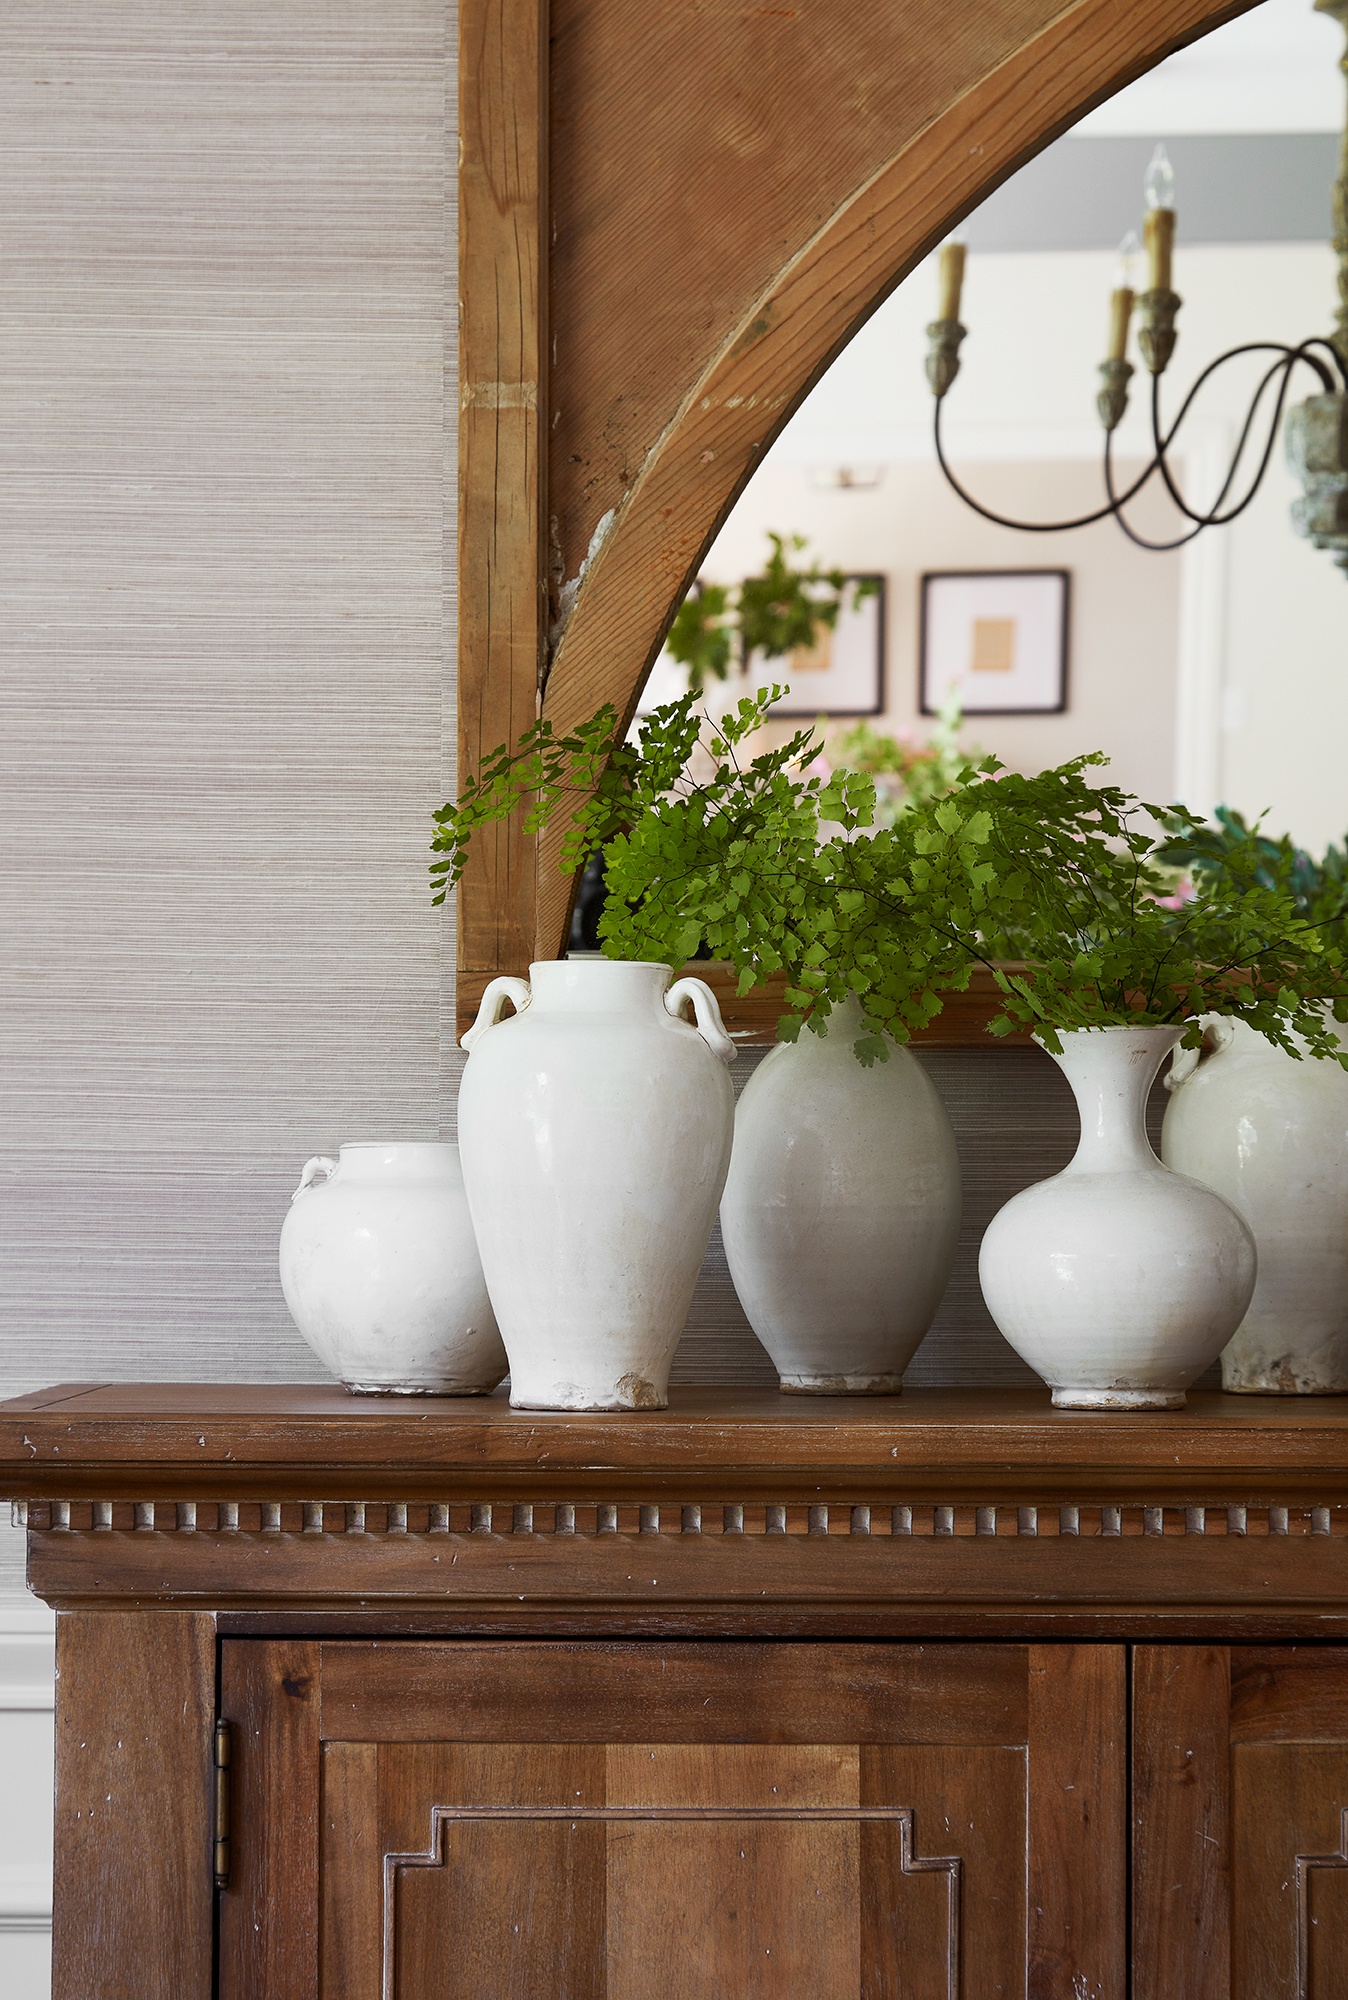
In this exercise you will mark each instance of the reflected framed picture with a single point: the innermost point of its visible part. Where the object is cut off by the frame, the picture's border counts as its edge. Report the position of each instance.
(998, 638)
(843, 673)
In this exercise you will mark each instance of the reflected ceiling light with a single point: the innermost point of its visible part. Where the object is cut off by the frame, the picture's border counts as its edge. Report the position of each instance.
(1317, 430)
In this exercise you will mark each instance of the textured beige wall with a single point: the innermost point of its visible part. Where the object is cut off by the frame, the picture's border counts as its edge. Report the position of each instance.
(226, 629)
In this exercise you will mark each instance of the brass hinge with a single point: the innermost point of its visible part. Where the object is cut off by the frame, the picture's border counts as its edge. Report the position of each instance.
(223, 1736)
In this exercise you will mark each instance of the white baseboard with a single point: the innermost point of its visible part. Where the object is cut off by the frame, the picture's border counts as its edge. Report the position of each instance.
(20, 1611)
(27, 1686)
(25, 1899)
(27, 1655)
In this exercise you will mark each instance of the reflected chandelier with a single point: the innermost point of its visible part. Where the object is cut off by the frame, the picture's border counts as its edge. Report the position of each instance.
(1316, 431)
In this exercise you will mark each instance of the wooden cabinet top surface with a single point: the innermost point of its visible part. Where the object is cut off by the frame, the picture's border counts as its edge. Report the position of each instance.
(955, 1511)
(58, 1438)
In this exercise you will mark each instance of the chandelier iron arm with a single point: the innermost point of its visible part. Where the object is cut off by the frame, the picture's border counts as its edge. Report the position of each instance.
(1162, 441)
(1215, 517)
(1139, 541)
(1004, 520)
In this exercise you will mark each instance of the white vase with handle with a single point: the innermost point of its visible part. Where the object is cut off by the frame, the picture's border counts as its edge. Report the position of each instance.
(595, 1126)
(382, 1276)
(841, 1210)
(1271, 1135)
(1118, 1280)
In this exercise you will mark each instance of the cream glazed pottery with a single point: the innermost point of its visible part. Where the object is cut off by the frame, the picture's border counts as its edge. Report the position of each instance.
(841, 1210)
(1271, 1135)
(595, 1127)
(382, 1276)
(1117, 1280)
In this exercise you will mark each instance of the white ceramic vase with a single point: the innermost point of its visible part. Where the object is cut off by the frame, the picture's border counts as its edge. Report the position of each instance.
(1117, 1280)
(382, 1276)
(595, 1126)
(841, 1210)
(1271, 1135)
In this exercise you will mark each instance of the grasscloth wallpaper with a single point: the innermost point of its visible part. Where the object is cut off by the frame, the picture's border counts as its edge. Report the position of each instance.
(226, 564)
(226, 569)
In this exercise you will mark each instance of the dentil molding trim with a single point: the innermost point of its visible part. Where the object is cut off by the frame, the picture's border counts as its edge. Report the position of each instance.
(677, 1520)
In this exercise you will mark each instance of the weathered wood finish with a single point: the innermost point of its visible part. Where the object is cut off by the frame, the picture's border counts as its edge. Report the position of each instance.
(1077, 1935)
(185, 1440)
(269, 1692)
(626, 1821)
(961, 1024)
(692, 200)
(1240, 1822)
(708, 258)
(783, 248)
(474, 1908)
(940, 1513)
(350, 1930)
(522, 1693)
(132, 1915)
(579, 1636)
(1181, 1823)
(503, 285)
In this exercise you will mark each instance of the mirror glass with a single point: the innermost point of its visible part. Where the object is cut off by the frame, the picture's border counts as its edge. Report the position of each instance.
(1213, 673)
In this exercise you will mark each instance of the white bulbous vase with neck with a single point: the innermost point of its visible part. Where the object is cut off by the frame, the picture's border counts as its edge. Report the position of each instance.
(1118, 1280)
(1271, 1135)
(595, 1127)
(841, 1210)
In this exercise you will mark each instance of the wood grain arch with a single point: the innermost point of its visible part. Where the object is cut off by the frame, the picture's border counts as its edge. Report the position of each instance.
(733, 189)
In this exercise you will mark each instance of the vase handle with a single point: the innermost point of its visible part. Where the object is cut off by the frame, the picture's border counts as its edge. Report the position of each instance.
(312, 1169)
(516, 991)
(1218, 1034)
(708, 1015)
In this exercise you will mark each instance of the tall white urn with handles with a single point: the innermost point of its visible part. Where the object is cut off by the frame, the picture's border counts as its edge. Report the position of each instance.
(595, 1126)
(841, 1210)
(382, 1276)
(1271, 1135)
(1117, 1280)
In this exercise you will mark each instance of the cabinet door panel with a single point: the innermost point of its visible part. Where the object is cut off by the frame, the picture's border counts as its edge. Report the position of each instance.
(693, 1821)
(974, 1806)
(1241, 1823)
(701, 1870)
(1290, 1871)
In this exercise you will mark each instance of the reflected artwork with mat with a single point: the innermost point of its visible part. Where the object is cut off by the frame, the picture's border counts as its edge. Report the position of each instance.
(843, 672)
(998, 638)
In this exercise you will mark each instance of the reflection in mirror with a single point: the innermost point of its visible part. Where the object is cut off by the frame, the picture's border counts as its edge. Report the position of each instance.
(1213, 673)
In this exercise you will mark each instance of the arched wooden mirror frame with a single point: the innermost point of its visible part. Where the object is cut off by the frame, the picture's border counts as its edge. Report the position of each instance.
(672, 219)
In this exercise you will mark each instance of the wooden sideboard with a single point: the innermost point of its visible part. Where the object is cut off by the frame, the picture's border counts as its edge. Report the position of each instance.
(759, 1697)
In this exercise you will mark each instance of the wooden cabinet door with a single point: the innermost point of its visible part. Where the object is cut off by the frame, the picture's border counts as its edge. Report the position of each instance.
(1240, 1811)
(685, 1821)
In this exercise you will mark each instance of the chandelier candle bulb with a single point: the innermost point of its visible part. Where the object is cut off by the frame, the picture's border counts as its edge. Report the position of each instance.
(951, 271)
(1158, 231)
(1158, 221)
(1125, 272)
(1158, 184)
(1120, 313)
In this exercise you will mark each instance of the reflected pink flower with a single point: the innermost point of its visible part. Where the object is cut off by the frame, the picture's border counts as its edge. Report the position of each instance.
(1183, 893)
